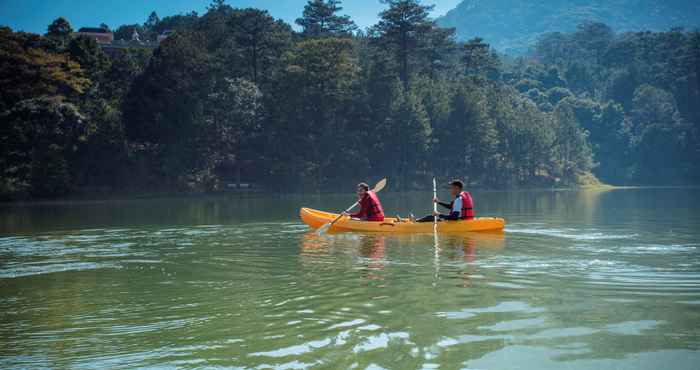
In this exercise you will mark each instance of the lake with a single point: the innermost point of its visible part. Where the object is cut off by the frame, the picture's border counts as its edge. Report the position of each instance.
(580, 280)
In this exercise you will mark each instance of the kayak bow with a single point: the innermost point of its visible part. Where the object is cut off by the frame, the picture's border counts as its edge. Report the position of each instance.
(316, 219)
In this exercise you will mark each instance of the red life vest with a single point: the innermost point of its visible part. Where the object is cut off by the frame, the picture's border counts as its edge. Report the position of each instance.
(370, 208)
(375, 212)
(468, 212)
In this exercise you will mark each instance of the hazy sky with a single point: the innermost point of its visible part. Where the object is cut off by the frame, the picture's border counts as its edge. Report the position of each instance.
(35, 15)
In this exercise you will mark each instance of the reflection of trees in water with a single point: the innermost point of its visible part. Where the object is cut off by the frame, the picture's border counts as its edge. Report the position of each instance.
(550, 204)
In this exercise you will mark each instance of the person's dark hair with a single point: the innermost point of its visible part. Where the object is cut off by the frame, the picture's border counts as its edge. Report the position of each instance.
(363, 186)
(457, 183)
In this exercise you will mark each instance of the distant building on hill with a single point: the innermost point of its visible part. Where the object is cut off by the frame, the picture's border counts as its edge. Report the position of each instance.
(105, 38)
(101, 35)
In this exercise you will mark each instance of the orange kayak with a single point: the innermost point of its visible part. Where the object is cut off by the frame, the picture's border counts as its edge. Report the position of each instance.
(316, 219)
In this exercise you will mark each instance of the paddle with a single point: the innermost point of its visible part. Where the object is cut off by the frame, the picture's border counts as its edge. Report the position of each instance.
(435, 236)
(377, 188)
(434, 204)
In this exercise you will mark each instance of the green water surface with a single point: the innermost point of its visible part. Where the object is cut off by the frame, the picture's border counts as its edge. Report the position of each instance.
(580, 280)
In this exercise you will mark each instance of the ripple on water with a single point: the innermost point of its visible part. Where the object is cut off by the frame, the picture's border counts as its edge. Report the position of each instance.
(295, 350)
(568, 233)
(381, 341)
(516, 324)
(10, 271)
(655, 249)
(502, 307)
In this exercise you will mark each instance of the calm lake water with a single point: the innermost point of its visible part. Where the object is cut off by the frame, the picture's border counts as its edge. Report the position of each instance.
(580, 280)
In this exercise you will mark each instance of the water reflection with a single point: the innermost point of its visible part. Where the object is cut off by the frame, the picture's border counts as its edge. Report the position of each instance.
(373, 251)
(374, 246)
(464, 246)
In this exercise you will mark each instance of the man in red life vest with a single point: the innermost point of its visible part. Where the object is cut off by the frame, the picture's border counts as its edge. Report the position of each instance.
(370, 207)
(461, 208)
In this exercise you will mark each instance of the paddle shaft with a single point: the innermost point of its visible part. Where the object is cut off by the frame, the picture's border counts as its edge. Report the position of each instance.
(341, 215)
(434, 195)
(435, 236)
(434, 204)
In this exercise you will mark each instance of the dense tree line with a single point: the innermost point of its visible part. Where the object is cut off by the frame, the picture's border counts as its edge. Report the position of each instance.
(635, 94)
(303, 109)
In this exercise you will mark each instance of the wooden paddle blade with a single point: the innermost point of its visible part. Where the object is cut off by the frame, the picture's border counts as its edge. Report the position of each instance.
(380, 185)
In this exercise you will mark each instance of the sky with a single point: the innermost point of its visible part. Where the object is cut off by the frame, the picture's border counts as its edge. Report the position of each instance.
(36, 15)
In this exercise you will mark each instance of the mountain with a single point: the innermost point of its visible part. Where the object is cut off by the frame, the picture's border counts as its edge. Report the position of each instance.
(512, 26)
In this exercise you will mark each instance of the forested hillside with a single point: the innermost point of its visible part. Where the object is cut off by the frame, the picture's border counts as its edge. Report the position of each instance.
(513, 26)
(235, 92)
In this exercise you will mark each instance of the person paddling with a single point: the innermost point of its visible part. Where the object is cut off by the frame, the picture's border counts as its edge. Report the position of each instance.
(370, 206)
(461, 208)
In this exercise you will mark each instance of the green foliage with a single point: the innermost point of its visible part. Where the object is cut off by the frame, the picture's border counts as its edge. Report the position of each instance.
(406, 131)
(152, 21)
(236, 95)
(314, 96)
(259, 40)
(633, 92)
(479, 61)
(39, 139)
(402, 29)
(525, 136)
(89, 55)
(604, 124)
(165, 103)
(29, 69)
(466, 144)
(571, 148)
(180, 22)
(59, 32)
(319, 19)
(229, 118)
(656, 123)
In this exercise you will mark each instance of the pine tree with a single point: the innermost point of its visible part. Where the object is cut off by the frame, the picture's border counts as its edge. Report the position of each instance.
(402, 29)
(260, 39)
(152, 21)
(59, 31)
(59, 28)
(320, 19)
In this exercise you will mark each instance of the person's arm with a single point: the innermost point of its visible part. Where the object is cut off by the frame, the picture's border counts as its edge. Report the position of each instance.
(445, 205)
(362, 212)
(456, 211)
(453, 216)
(457, 206)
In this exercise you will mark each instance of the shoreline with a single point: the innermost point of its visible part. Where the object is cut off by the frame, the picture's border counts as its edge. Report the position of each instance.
(126, 197)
